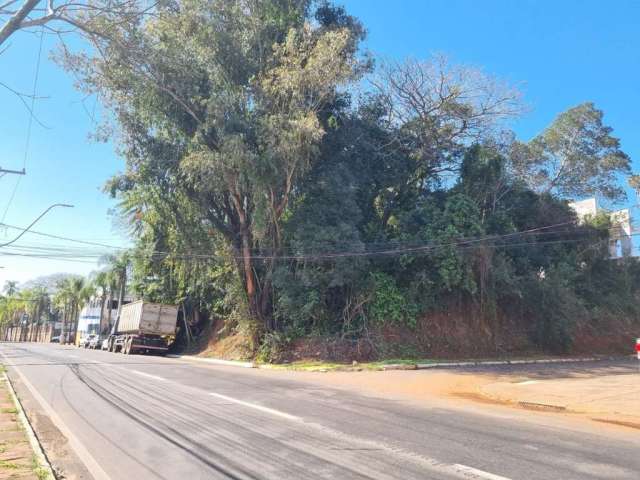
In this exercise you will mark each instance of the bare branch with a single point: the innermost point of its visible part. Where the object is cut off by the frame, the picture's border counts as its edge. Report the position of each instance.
(22, 97)
(78, 14)
(15, 22)
(435, 108)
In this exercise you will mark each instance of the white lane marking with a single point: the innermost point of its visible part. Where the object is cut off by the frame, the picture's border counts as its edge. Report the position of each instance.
(85, 457)
(463, 472)
(148, 375)
(255, 406)
(471, 472)
(458, 470)
(527, 382)
(72, 355)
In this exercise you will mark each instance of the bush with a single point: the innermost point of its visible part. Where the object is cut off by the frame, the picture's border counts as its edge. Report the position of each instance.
(389, 304)
(554, 309)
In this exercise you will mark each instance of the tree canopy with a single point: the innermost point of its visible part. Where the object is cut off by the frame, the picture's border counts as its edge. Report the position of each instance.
(263, 191)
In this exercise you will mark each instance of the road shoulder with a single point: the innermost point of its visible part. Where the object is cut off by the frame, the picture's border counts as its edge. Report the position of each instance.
(20, 453)
(63, 459)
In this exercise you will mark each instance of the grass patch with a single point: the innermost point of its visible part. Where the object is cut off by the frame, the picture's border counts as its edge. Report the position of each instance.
(307, 366)
(8, 465)
(9, 410)
(319, 366)
(400, 361)
(40, 472)
(2, 369)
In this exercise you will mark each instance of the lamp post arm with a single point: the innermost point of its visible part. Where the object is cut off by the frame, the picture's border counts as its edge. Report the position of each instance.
(34, 222)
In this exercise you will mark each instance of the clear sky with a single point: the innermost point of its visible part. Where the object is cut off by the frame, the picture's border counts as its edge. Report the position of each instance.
(560, 53)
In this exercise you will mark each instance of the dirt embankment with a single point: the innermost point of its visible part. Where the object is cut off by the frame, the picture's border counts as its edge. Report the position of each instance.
(452, 336)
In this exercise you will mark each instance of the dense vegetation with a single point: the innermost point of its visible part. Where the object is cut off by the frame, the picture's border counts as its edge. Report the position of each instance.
(269, 198)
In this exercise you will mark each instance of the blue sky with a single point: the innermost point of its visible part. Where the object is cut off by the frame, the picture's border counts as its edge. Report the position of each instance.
(560, 53)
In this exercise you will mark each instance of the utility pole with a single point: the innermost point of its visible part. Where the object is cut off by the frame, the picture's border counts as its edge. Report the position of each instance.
(15, 172)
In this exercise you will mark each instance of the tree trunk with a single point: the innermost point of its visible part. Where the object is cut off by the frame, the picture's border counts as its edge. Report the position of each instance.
(123, 283)
(249, 279)
(110, 308)
(103, 299)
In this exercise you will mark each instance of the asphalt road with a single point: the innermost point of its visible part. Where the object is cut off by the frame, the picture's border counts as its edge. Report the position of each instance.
(141, 417)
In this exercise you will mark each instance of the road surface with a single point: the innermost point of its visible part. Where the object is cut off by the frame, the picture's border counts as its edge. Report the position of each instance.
(141, 417)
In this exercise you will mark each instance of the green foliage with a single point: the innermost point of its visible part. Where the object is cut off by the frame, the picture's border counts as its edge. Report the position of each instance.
(273, 347)
(576, 156)
(259, 191)
(601, 221)
(221, 108)
(389, 305)
(553, 308)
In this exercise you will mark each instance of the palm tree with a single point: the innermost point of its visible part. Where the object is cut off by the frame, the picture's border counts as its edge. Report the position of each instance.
(61, 301)
(100, 282)
(79, 294)
(117, 267)
(70, 294)
(10, 288)
(39, 302)
(106, 282)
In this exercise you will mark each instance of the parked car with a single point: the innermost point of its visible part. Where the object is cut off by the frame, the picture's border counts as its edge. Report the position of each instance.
(55, 339)
(105, 344)
(87, 340)
(94, 342)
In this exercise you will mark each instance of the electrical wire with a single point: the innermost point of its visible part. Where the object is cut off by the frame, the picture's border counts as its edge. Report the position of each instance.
(424, 250)
(29, 127)
(58, 237)
(368, 250)
(388, 246)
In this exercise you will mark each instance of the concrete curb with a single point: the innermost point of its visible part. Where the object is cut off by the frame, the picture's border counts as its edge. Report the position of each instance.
(396, 366)
(214, 361)
(480, 363)
(43, 461)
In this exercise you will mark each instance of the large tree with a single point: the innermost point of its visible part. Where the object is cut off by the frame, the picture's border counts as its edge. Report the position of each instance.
(225, 102)
(433, 110)
(576, 156)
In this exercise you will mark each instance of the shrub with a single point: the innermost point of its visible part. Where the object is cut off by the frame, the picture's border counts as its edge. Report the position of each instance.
(389, 304)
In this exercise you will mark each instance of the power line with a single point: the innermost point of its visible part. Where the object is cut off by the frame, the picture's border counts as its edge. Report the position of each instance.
(424, 249)
(29, 126)
(13, 194)
(58, 237)
(388, 244)
(187, 258)
(68, 253)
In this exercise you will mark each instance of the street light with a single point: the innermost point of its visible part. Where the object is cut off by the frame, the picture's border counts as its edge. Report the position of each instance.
(36, 221)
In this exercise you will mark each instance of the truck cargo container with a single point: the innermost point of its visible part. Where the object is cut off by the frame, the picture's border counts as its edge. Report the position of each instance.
(144, 327)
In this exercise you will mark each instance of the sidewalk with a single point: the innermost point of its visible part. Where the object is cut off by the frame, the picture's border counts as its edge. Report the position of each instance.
(604, 391)
(17, 458)
(607, 398)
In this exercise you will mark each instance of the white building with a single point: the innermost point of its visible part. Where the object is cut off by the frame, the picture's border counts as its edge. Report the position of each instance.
(89, 318)
(620, 235)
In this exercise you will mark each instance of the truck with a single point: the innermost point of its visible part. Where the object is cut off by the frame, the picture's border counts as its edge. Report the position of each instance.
(143, 327)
